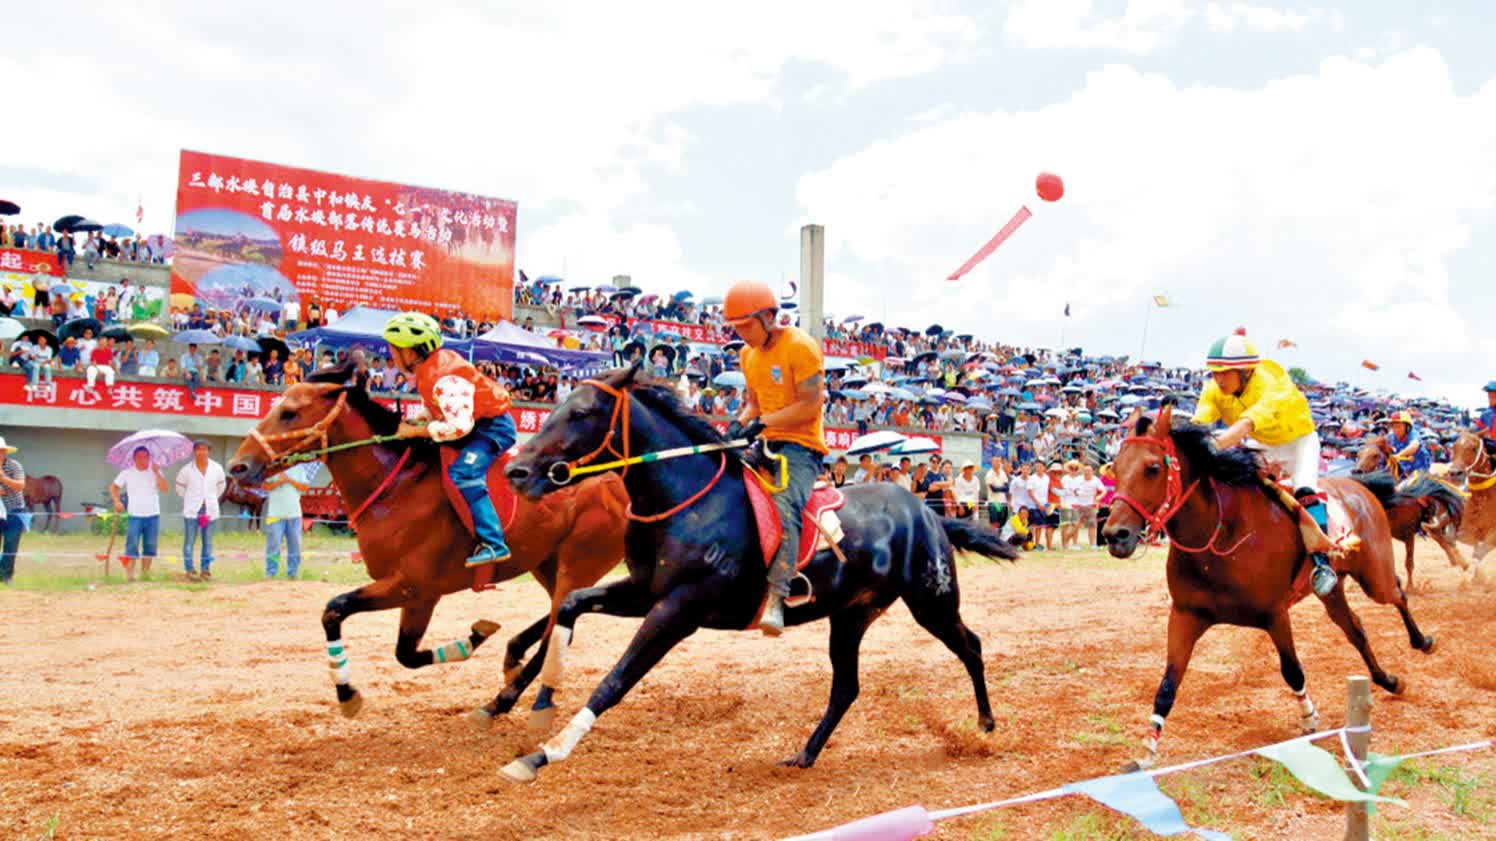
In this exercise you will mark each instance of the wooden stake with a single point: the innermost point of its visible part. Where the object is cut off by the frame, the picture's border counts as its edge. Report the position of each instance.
(1358, 714)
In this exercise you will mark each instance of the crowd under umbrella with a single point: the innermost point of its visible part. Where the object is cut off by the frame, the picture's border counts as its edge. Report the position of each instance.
(683, 295)
(606, 289)
(914, 446)
(74, 329)
(85, 226)
(196, 337)
(117, 230)
(117, 333)
(9, 208)
(37, 332)
(267, 305)
(579, 288)
(548, 280)
(594, 322)
(243, 343)
(269, 343)
(165, 447)
(730, 379)
(875, 442)
(148, 330)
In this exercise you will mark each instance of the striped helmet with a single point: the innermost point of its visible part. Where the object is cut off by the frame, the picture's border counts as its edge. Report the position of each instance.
(1403, 417)
(1232, 352)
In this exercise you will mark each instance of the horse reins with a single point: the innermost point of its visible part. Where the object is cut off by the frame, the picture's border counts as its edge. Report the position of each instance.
(1486, 480)
(563, 472)
(1175, 496)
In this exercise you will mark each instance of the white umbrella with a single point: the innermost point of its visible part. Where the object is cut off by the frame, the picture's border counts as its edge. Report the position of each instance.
(10, 328)
(877, 388)
(915, 446)
(594, 321)
(875, 442)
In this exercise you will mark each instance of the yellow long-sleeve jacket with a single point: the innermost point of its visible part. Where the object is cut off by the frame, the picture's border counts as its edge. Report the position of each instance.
(1277, 408)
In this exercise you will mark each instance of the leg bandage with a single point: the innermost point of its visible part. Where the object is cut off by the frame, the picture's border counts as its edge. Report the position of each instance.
(337, 661)
(454, 652)
(562, 745)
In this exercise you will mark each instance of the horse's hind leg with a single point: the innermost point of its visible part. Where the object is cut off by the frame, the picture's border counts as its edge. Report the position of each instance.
(1342, 615)
(943, 621)
(1384, 589)
(415, 618)
(376, 595)
(518, 673)
(847, 629)
(1281, 631)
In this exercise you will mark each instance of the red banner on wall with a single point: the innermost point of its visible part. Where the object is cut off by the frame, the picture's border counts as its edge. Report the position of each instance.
(29, 262)
(250, 235)
(242, 403)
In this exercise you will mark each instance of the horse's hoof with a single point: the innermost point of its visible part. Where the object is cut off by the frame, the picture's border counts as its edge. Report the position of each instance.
(1132, 766)
(799, 760)
(987, 724)
(1309, 724)
(1430, 644)
(481, 719)
(484, 629)
(350, 707)
(518, 771)
(541, 721)
(1399, 686)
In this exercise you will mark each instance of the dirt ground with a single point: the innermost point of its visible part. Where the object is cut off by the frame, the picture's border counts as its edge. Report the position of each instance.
(157, 712)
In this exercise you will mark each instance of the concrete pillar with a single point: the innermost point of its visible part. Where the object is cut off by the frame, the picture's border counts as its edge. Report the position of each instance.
(813, 280)
(622, 280)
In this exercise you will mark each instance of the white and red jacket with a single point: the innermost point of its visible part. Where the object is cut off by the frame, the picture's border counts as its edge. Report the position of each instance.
(454, 396)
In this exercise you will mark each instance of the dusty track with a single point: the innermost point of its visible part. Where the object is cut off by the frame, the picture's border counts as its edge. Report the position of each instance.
(167, 713)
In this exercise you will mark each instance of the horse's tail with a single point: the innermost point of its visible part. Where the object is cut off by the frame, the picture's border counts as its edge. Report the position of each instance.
(1382, 486)
(1431, 493)
(984, 541)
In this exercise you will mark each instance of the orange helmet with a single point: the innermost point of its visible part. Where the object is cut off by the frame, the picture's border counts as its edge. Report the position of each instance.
(746, 299)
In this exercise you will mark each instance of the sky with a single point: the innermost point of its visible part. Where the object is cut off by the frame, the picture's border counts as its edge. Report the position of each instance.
(1320, 172)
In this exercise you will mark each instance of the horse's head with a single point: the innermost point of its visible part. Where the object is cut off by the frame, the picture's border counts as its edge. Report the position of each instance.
(1148, 471)
(1466, 455)
(575, 433)
(1369, 458)
(298, 423)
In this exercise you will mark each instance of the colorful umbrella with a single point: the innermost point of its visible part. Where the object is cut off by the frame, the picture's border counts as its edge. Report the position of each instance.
(915, 446)
(10, 328)
(117, 230)
(875, 441)
(196, 337)
(243, 343)
(148, 330)
(166, 448)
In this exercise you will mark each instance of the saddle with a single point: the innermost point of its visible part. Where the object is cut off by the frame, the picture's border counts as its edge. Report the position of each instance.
(821, 528)
(505, 502)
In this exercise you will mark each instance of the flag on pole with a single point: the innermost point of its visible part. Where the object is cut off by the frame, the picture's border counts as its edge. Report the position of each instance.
(1285, 344)
(1413, 376)
(1067, 309)
(1160, 300)
(1370, 366)
(139, 212)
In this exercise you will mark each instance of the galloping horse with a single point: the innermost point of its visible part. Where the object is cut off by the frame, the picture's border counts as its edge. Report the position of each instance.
(1469, 462)
(412, 540)
(1237, 554)
(1421, 504)
(695, 559)
(1376, 454)
(45, 491)
(250, 499)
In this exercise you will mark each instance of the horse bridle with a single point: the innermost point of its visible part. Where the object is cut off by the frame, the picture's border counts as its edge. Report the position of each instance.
(1485, 478)
(303, 435)
(1175, 495)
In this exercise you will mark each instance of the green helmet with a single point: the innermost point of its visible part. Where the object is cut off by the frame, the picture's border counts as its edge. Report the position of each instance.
(413, 330)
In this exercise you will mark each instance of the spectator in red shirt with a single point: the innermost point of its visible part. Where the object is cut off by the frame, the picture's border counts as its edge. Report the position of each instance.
(101, 360)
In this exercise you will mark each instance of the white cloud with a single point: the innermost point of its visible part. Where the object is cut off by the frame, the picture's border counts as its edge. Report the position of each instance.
(1302, 209)
(1143, 26)
(1227, 17)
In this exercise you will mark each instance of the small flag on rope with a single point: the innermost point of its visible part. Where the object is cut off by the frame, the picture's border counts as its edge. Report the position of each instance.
(1370, 366)
(139, 211)
(1413, 376)
(1285, 344)
(1067, 309)
(356, 557)
(1160, 301)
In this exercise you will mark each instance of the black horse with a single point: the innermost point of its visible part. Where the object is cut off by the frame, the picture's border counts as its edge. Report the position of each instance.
(702, 567)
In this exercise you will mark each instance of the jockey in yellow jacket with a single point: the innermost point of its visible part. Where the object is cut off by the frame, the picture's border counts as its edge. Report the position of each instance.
(1261, 407)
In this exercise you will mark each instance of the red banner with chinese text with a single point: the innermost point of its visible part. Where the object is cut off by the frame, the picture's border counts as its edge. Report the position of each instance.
(29, 262)
(251, 235)
(246, 404)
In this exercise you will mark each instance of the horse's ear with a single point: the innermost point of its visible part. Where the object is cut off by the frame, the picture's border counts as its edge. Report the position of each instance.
(1131, 424)
(1165, 421)
(631, 373)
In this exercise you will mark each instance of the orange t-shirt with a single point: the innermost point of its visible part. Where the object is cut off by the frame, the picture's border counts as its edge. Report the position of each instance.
(773, 373)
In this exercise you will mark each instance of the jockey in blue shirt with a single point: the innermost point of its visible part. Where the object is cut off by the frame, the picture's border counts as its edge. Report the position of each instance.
(1407, 448)
(1486, 420)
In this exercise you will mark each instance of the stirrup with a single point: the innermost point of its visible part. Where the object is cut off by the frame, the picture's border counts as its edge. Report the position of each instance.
(488, 555)
(1324, 578)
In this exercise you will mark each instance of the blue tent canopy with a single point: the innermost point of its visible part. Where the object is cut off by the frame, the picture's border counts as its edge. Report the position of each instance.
(361, 327)
(508, 342)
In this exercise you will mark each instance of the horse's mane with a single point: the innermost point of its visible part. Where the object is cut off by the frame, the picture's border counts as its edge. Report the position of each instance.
(382, 420)
(662, 398)
(1382, 486)
(1237, 467)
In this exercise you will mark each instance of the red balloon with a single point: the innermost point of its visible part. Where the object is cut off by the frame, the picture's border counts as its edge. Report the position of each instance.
(1049, 186)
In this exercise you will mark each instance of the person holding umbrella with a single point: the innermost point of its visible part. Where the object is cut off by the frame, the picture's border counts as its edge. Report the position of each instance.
(143, 484)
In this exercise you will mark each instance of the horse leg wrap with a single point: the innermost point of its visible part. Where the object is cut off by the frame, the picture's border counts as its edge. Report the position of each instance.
(555, 657)
(1308, 714)
(337, 661)
(454, 652)
(1154, 735)
(562, 745)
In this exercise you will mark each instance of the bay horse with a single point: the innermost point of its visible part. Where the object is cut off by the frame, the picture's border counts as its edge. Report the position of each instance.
(45, 491)
(1471, 463)
(1237, 553)
(1374, 454)
(249, 498)
(1420, 505)
(695, 559)
(414, 543)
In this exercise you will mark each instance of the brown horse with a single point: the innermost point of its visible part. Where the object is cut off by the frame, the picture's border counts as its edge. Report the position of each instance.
(1471, 463)
(249, 498)
(45, 491)
(1376, 454)
(1420, 505)
(1237, 553)
(413, 541)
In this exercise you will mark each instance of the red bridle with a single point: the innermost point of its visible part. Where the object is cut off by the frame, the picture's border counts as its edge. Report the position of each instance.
(1175, 495)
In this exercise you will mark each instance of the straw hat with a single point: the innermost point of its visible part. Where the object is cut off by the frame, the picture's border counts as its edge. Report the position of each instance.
(6, 448)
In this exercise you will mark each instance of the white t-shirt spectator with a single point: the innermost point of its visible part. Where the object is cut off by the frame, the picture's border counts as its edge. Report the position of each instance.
(1087, 491)
(330, 315)
(1019, 493)
(997, 486)
(143, 495)
(201, 489)
(967, 491)
(291, 311)
(1068, 486)
(1038, 488)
